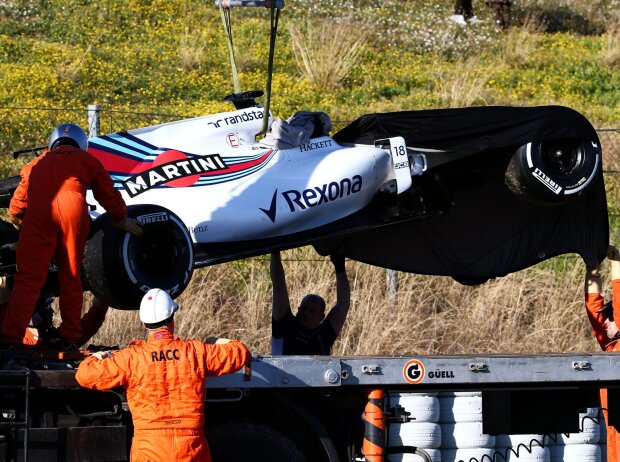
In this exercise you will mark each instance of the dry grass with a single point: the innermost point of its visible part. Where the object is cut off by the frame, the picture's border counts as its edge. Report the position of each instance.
(520, 43)
(463, 83)
(534, 311)
(326, 52)
(610, 53)
(193, 42)
(580, 16)
(70, 68)
(192, 47)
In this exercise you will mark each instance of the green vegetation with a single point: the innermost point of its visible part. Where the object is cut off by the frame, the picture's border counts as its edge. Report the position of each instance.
(151, 61)
(169, 57)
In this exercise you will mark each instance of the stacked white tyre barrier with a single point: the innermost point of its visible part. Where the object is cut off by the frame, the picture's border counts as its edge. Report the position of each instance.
(434, 454)
(533, 453)
(455, 455)
(449, 427)
(582, 446)
(462, 437)
(460, 407)
(590, 430)
(423, 432)
(575, 453)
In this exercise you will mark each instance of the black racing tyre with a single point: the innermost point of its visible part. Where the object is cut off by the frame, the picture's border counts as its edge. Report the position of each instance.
(247, 441)
(119, 268)
(553, 171)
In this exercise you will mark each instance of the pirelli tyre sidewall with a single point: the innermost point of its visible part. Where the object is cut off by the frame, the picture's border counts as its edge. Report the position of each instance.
(553, 171)
(120, 268)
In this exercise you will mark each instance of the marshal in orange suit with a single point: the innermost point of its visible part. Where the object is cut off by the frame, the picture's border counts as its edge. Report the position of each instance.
(50, 207)
(165, 382)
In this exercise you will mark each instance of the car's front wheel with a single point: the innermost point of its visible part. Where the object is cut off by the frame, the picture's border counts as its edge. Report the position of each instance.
(553, 171)
(120, 268)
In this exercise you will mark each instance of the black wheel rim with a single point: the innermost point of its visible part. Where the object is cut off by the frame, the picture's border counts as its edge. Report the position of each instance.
(156, 254)
(562, 158)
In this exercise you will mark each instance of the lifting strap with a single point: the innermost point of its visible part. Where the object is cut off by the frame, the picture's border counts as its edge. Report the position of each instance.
(225, 15)
(275, 17)
(274, 6)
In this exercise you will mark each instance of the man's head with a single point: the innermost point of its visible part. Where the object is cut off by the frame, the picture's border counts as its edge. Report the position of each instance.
(311, 311)
(68, 135)
(157, 309)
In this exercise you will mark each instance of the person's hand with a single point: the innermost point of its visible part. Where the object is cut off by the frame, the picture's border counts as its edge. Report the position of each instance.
(17, 221)
(102, 354)
(338, 262)
(593, 280)
(611, 329)
(217, 341)
(613, 253)
(131, 225)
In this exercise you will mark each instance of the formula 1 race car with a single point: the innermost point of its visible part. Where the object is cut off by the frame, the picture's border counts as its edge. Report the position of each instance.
(472, 193)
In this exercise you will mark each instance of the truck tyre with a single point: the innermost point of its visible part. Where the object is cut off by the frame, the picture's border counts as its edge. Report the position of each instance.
(553, 171)
(120, 268)
(259, 443)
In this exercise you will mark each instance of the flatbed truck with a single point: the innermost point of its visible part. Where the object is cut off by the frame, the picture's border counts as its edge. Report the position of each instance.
(302, 408)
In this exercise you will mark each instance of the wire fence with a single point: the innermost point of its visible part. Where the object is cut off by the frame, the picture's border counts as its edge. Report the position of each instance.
(117, 120)
(110, 120)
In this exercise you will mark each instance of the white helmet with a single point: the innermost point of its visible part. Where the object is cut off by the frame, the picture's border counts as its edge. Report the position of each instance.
(156, 306)
(68, 134)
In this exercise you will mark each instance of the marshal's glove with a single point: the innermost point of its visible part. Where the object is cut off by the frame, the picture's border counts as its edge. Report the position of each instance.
(131, 225)
(17, 221)
(102, 354)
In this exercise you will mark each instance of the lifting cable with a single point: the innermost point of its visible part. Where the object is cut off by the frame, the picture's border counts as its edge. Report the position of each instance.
(275, 17)
(225, 15)
(274, 6)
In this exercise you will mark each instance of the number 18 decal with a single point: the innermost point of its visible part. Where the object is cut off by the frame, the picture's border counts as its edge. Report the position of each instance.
(400, 150)
(413, 371)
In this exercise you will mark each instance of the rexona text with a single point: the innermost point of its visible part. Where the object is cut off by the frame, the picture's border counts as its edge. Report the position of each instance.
(318, 195)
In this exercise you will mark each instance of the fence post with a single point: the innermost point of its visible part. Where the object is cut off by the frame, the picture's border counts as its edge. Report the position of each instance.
(94, 122)
(392, 284)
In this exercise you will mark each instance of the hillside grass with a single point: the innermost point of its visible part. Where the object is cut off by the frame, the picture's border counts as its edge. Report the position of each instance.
(148, 62)
(537, 310)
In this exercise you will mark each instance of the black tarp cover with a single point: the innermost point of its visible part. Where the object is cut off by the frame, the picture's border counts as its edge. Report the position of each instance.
(472, 128)
(488, 231)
